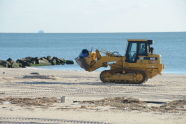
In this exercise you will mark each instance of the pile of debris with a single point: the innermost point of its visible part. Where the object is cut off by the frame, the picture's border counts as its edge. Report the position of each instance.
(34, 61)
(130, 104)
(40, 101)
(173, 106)
(120, 103)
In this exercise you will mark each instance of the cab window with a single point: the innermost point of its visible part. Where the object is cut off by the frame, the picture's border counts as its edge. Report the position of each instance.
(131, 52)
(142, 49)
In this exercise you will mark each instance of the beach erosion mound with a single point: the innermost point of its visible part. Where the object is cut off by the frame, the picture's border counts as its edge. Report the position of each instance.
(34, 61)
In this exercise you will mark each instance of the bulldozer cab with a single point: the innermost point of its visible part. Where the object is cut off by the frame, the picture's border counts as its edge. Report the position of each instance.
(137, 48)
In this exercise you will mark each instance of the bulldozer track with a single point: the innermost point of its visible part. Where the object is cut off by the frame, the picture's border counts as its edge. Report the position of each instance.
(21, 120)
(102, 78)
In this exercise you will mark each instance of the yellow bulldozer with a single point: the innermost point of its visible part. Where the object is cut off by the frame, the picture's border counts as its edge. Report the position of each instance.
(136, 67)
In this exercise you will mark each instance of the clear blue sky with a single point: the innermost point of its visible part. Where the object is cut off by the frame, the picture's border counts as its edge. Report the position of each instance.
(92, 15)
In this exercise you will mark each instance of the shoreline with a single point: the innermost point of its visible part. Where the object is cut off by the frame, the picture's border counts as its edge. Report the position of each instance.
(81, 70)
(98, 70)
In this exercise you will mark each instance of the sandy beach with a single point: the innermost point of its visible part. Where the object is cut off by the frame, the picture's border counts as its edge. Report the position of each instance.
(34, 95)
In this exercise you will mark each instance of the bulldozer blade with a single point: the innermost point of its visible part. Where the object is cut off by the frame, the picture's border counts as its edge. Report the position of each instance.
(82, 63)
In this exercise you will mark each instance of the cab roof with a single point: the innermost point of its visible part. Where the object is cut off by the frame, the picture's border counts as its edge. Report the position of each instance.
(140, 40)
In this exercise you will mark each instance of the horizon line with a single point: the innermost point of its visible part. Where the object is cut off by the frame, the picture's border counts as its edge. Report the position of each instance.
(86, 32)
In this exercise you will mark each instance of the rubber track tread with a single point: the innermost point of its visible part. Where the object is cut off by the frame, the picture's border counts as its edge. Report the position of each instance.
(145, 78)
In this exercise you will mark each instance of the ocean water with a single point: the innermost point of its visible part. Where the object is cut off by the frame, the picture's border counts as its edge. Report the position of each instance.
(171, 46)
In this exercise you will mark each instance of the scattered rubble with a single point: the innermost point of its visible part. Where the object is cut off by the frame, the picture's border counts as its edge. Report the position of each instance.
(130, 104)
(121, 103)
(174, 106)
(40, 101)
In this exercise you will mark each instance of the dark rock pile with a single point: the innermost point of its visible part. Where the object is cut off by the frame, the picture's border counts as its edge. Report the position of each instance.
(34, 61)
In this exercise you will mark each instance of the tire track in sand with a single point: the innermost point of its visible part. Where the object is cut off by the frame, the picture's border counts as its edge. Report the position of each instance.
(22, 120)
